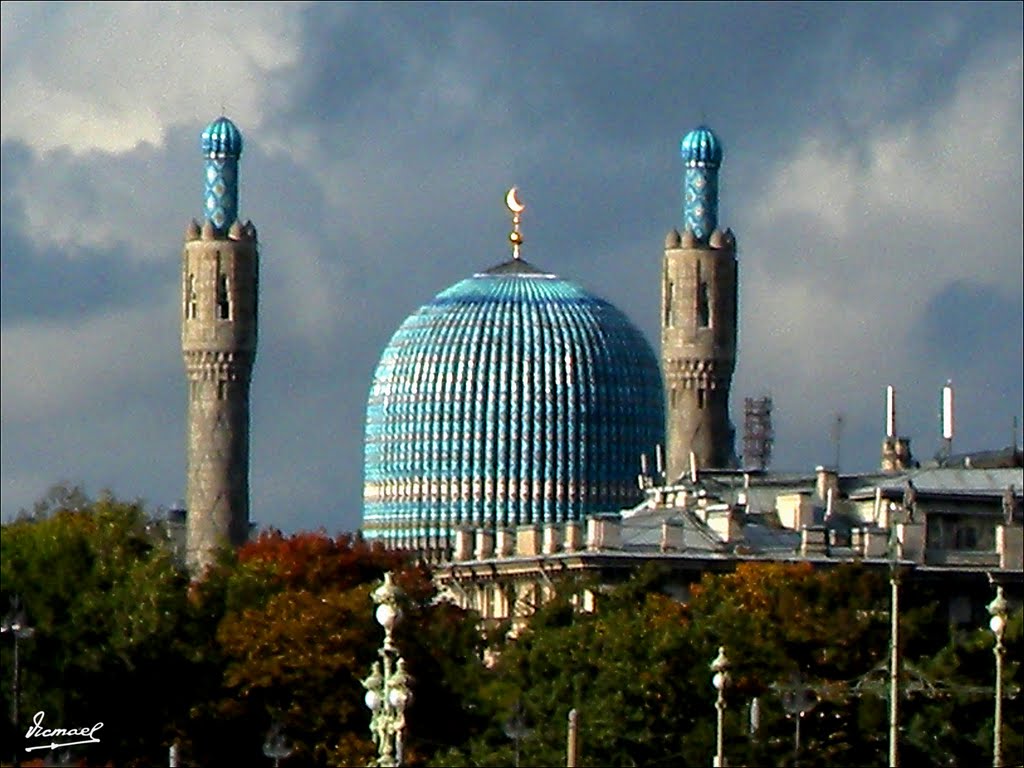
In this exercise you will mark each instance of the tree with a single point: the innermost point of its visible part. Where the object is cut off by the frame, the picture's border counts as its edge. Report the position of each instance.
(297, 636)
(624, 668)
(108, 606)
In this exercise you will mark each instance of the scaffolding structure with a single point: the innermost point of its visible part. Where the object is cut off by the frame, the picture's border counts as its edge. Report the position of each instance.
(758, 436)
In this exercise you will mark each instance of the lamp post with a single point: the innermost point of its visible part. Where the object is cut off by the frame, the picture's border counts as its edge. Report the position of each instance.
(798, 700)
(276, 747)
(895, 661)
(720, 666)
(997, 609)
(515, 729)
(15, 624)
(387, 688)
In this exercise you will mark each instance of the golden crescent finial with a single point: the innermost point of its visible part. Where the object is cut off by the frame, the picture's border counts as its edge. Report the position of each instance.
(515, 236)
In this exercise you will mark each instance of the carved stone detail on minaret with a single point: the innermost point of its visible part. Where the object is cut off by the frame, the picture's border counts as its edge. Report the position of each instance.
(220, 270)
(699, 318)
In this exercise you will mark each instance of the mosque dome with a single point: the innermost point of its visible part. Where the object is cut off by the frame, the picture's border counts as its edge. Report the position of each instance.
(513, 397)
(221, 138)
(700, 147)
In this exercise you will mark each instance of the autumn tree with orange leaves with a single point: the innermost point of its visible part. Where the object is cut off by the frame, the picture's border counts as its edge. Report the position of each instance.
(298, 635)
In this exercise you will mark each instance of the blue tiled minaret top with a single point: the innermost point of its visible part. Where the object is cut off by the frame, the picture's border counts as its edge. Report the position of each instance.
(513, 397)
(222, 146)
(702, 156)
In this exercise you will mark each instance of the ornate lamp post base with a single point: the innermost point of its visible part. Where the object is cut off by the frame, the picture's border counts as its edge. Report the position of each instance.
(387, 687)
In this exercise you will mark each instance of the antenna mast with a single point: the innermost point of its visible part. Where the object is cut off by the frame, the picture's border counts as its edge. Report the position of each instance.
(837, 436)
(947, 420)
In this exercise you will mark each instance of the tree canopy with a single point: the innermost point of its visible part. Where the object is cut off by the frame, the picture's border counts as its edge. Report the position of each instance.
(281, 633)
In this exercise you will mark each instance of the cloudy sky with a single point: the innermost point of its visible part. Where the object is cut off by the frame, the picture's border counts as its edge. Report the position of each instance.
(872, 174)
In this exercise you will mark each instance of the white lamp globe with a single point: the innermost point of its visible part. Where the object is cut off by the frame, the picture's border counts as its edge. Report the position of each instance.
(387, 615)
(373, 701)
(398, 698)
(997, 624)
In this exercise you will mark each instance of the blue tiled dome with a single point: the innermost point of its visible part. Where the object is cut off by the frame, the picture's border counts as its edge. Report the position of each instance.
(512, 397)
(221, 138)
(700, 147)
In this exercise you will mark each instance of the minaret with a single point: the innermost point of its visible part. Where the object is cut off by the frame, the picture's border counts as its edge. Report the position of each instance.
(219, 275)
(698, 318)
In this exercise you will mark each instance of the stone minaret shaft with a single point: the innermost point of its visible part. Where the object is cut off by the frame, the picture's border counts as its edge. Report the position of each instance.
(220, 271)
(699, 320)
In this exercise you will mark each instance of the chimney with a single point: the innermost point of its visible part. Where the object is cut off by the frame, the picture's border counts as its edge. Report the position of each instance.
(896, 456)
(604, 532)
(814, 540)
(826, 479)
(673, 535)
(725, 522)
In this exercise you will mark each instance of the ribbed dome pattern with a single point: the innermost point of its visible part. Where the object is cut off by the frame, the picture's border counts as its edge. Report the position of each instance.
(513, 397)
(700, 147)
(221, 138)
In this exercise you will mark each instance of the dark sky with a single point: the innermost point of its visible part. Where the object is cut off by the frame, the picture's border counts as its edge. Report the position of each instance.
(872, 175)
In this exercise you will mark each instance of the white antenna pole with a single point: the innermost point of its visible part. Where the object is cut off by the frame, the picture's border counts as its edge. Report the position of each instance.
(890, 412)
(693, 467)
(947, 411)
(659, 463)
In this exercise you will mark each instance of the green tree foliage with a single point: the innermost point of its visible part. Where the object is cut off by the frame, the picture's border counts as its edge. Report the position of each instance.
(637, 670)
(283, 631)
(109, 608)
(625, 668)
(952, 722)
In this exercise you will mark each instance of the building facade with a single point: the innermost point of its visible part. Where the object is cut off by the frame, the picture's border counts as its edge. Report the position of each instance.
(961, 528)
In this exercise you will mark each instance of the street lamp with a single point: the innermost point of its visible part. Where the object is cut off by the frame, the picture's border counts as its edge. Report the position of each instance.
(15, 624)
(515, 729)
(388, 692)
(997, 609)
(276, 747)
(798, 700)
(720, 666)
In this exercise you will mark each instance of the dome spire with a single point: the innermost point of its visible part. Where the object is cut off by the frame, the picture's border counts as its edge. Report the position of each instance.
(221, 144)
(515, 236)
(702, 156)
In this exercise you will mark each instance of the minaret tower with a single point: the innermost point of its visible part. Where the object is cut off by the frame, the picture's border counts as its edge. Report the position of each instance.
(219, 276)
(698, 318)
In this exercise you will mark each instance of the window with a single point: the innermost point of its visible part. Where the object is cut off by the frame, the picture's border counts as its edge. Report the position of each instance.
(670, 301)
(700, 399)
(190, 298)
(703, 306)
(961, 532)
(223, 297)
